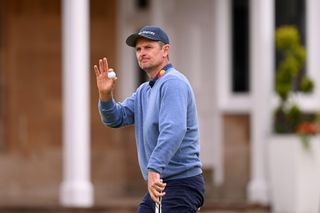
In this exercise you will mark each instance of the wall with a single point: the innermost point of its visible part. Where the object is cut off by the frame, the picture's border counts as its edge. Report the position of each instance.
(31, 103)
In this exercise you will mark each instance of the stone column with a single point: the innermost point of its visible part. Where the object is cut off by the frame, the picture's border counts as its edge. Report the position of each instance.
(221, 29)
(76, 188)
(261, 69)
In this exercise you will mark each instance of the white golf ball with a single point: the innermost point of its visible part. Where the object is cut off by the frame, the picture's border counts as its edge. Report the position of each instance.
(112, 75)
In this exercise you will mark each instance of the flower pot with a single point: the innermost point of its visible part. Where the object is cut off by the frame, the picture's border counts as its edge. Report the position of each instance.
(294, 174)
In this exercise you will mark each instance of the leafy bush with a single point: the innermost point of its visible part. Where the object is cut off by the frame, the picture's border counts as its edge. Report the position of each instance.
(290, 79)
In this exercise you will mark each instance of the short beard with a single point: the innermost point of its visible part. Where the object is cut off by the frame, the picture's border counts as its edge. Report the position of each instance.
(151, 68)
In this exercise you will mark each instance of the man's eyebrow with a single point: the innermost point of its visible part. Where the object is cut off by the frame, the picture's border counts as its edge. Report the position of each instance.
(144, 45)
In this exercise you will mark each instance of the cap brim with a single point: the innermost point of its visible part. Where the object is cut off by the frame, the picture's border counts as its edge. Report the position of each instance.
(132, 39)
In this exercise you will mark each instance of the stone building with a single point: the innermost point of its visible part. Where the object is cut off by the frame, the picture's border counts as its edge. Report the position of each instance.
(225, 48)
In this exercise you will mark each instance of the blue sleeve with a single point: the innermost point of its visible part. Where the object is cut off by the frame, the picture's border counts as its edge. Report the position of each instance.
(117, 114)
(172, 123)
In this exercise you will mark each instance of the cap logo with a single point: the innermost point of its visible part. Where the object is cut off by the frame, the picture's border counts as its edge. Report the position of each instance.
(146, 32)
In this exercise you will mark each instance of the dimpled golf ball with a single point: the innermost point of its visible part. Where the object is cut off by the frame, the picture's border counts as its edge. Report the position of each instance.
(111, 74)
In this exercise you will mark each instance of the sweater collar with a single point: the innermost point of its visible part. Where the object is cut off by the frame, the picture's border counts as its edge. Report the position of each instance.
(160, 74)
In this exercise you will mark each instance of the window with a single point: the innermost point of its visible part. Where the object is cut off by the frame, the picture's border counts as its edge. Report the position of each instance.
(240, 46)
(292, 12)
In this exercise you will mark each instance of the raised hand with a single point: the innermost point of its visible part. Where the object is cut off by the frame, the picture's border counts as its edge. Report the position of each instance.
(104, 84)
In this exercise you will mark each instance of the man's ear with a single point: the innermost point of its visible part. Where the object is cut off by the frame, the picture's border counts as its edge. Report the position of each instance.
(166, 49)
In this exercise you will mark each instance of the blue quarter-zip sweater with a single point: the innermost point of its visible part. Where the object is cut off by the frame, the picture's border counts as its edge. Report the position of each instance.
(166, 126)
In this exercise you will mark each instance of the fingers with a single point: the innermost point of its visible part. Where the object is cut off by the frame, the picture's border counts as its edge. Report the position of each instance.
(159, 188)
(155, 186)
(105, 64)
(103, 67)
(156, 195)
(96, 70)
(156, 191)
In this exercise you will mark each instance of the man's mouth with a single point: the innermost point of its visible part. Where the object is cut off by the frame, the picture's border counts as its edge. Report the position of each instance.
(144, 60)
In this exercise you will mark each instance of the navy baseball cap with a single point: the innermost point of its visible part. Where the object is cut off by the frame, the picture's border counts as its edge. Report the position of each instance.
(154, 33)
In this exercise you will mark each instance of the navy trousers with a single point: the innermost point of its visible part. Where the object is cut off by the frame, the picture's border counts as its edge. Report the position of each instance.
(182, 196)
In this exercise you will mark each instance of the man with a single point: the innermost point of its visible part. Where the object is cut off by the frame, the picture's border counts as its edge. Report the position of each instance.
(163, 111)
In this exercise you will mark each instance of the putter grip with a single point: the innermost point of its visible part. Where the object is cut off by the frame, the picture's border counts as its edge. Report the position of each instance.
(158, 208)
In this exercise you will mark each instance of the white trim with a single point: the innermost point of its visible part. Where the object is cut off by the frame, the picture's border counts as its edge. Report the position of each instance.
(223, 48)
(236, 104)
(229, 101)
(313, 48)
(306, 102)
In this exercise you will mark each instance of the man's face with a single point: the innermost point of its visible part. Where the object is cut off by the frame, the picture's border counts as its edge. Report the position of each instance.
(150, 54)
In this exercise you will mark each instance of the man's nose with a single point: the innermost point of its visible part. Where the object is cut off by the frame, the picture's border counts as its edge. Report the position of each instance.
(142, 52)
